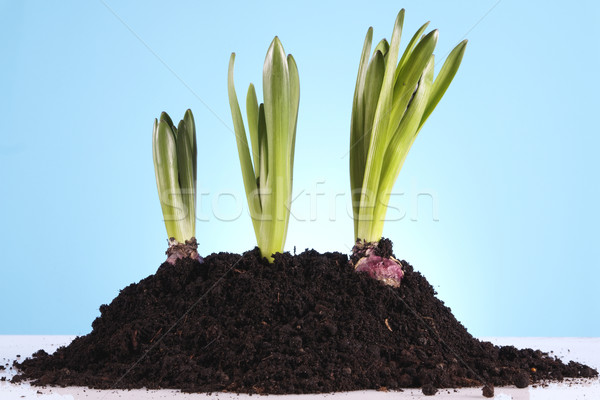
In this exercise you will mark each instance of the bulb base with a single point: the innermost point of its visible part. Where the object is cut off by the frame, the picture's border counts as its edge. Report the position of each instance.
(177, 250)
(376, 259)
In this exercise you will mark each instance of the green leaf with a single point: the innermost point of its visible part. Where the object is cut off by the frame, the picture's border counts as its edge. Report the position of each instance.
(263, 151)
(186, 167)
(276, 92)
(252, 113)
(167, 180)
(384, 47)
(399, 147)
(410, 46)
(409, 76)
(294, 104)
(380, 136)
(294, 83)
(188, 118)
(357, 144)
(373, 83)
(444, 78)
(165, 117)
(243, 150)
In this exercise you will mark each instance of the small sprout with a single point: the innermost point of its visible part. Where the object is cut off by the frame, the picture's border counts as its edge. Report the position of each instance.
(174, 153)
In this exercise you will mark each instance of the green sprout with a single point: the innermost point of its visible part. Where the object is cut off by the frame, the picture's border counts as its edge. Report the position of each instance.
(267, 174)
(392, 101)
(174, 152)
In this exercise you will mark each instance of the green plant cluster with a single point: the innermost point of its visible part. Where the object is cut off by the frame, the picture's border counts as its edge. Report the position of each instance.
(392, 100)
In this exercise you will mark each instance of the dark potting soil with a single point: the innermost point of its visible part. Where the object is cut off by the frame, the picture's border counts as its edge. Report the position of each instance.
(307, 323)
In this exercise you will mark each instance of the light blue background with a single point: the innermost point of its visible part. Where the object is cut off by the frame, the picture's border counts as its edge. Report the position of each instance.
(509, 159)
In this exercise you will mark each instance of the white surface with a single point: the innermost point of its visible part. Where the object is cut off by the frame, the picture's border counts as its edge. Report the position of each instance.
(586, 350)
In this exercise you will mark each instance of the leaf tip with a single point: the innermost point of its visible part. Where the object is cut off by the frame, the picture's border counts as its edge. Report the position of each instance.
(400, 18)
(164, 117)
(189, 116)
(433, 36)
(276, 42)
(231, 63)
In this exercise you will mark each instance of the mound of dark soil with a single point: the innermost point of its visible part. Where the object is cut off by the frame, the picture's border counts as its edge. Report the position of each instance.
(307, 323)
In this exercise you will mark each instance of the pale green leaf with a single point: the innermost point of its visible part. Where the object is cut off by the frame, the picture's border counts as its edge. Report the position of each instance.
(399, 147)
(243, 151)
(379, 136)
(188, 118)
(357, 145)
(167, 179)
(186, 167)
(294, 105)
(444, 78)
(252, 113)
(384, 47)
(263, 151)
(410, 46)
(409, 76)
(276, 92)
(373, 83)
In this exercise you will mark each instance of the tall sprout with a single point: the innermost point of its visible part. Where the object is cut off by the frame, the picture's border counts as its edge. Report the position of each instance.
(392, 101)
(267, 162)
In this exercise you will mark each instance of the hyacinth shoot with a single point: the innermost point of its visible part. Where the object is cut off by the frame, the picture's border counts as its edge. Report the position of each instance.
(267, 159)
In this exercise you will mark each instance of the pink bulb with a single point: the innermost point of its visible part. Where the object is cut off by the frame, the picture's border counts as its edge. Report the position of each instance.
(382, 269)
